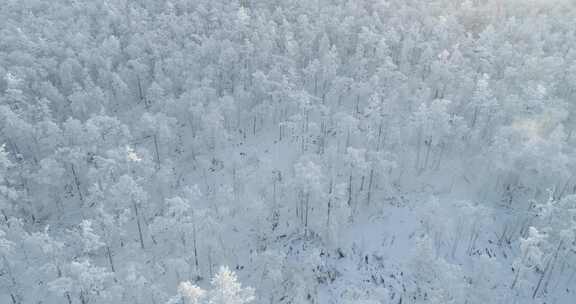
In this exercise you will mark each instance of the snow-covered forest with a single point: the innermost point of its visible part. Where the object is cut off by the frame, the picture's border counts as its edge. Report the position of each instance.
(287, 151)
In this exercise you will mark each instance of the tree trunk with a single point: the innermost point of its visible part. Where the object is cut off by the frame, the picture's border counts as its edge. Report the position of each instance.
(157, 150)
(139, 225)
(370, 181)
(329, 206)
(109, 254)
(350, 190)
(549, 266)
(196, 264)
(77, 184)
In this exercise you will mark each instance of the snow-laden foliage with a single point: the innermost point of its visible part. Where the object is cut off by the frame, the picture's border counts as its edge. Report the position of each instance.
(327, 151)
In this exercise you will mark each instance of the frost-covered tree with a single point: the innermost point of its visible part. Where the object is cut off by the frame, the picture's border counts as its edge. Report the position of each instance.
(299, 142)
(225, 289)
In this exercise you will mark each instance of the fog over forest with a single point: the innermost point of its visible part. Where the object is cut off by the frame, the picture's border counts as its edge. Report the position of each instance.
(287, 151)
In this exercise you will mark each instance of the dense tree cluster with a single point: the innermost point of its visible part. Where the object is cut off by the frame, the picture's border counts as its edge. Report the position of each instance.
(147, 142)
